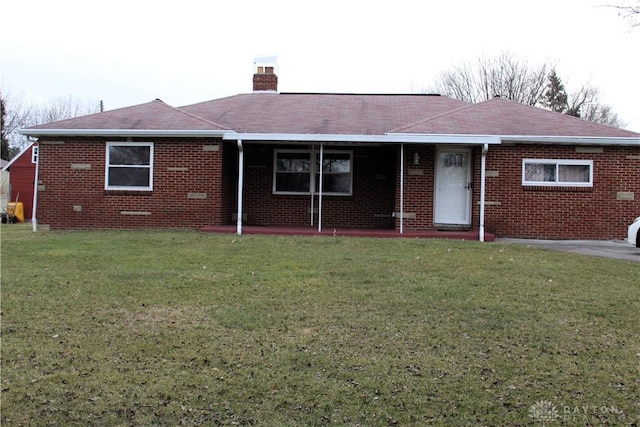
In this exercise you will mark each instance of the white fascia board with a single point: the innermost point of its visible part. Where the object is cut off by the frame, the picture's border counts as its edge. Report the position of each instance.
(370, 139)
(17, 156)
(445, 138)
(124, 132)
(571, 140)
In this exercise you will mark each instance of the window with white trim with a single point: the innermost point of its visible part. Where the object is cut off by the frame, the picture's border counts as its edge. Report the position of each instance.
(34, 154)
(295, 173)
(546, 172)
(129, 166)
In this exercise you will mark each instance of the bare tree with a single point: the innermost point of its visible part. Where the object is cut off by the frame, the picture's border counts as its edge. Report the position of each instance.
(510, 77)
(505, 75)
(20, 113)
(585, 103)
(629, 11)
(61, 108)
(16, 114)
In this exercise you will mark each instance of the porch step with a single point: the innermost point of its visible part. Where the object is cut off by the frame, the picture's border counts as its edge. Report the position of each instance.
(347, 232)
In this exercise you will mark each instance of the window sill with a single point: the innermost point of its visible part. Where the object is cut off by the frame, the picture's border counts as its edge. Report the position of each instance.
(558, 188)
(314, 194)
(128, 193)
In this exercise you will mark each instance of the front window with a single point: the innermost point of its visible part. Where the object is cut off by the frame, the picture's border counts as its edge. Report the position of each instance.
(129, 166)
(295, 173)
(557, 172)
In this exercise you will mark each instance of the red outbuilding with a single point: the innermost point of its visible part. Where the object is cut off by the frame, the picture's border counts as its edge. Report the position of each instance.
(22, 172)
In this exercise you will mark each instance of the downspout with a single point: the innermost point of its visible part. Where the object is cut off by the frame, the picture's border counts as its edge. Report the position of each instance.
(483, 175)
(34, 220)
(401, 188)
(240, 187)
(320, 189)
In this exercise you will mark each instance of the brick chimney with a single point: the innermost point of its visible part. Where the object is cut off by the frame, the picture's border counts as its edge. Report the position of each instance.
(265, 78)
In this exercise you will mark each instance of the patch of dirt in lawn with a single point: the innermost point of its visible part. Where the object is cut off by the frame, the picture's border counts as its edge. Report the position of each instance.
(153, 317)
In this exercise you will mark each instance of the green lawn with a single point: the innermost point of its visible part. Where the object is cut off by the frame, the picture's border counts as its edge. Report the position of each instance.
(184, 328)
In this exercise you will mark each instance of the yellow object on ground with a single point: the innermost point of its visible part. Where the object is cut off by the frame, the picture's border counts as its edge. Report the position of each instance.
(15, 210)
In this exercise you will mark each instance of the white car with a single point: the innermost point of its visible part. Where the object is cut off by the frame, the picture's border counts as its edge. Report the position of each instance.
(633, 236)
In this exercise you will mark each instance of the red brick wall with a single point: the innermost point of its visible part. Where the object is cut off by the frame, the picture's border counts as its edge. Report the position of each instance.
(73, 196)
(419, 182)
(562, 213)
(370, 205)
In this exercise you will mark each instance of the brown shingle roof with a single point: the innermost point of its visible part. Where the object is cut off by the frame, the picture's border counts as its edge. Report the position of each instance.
(342, 114)
(154, 115)
(339, 114)
(499, 116)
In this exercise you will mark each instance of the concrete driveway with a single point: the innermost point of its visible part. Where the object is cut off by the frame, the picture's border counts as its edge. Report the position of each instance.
(604, 248)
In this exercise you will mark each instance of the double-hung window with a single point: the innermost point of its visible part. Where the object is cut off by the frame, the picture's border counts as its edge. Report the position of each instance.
(569, 173)
(129, 166)
(296, 173)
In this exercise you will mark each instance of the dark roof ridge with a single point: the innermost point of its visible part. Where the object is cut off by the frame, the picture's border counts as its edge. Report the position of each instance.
(359, 94)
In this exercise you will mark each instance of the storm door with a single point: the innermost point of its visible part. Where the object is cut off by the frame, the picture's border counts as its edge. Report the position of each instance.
(452, 204)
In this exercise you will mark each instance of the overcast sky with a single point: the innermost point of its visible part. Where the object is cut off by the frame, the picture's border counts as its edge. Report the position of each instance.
(183, 52)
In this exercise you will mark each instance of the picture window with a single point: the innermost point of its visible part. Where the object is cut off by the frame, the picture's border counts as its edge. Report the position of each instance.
(545, 172)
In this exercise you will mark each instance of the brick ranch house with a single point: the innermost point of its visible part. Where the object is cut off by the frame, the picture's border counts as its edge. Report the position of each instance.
(394, 162)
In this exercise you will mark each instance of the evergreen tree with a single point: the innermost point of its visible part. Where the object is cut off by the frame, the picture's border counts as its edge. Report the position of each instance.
(4, 142)
(555, 97)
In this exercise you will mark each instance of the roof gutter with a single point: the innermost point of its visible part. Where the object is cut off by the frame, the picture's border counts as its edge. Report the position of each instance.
(388, 138)
(571, 140)
(370, 139)
(193, 133)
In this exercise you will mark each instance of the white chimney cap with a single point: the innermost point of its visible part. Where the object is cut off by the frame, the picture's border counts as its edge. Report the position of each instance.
(266, 59)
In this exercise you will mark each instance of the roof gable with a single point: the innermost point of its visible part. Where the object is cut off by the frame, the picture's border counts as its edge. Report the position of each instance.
(8, 164)
(499, 116)
(154, 115)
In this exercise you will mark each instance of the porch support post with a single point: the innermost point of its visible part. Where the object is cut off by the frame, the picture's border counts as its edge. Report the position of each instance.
(320, 188)
(483, 176)
(240, 187)
(311, 184)
(402, 188)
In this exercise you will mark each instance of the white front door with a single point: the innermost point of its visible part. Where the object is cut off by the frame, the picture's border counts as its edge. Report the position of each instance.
(452, 203)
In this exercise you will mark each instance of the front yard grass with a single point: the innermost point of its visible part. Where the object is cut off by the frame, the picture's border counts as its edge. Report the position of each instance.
(184, 328)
